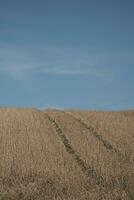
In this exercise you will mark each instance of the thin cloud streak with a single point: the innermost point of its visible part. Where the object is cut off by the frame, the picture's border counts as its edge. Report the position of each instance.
(25, 61)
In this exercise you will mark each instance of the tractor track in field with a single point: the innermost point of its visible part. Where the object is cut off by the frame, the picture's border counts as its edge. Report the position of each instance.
(87, 170)
(97, 135)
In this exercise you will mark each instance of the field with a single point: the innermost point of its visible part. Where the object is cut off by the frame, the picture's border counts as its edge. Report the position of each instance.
(66, 155)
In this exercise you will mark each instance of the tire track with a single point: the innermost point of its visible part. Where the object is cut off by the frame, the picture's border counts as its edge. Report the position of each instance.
(87, 170)
(98, 136)
(109, 147)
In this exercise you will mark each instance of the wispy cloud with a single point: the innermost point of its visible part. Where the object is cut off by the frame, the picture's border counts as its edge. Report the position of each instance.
(19, 62)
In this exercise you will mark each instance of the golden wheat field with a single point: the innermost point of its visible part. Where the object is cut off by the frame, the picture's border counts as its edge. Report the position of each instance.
(66, 155)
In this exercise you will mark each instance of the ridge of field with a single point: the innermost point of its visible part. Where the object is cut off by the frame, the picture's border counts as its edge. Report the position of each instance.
(51, 155)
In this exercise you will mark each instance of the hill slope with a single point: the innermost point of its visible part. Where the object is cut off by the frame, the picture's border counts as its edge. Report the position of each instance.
(66, 155)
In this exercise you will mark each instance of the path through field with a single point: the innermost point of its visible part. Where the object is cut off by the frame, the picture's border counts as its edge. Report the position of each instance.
(66, 155)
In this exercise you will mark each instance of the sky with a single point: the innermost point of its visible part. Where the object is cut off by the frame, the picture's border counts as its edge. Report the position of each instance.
(67, 54)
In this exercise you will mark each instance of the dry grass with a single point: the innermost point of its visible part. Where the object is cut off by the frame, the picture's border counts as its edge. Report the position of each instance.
(53, 155)
(116, 127)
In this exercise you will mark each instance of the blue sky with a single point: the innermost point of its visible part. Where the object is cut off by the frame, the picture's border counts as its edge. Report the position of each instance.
(67, 54)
